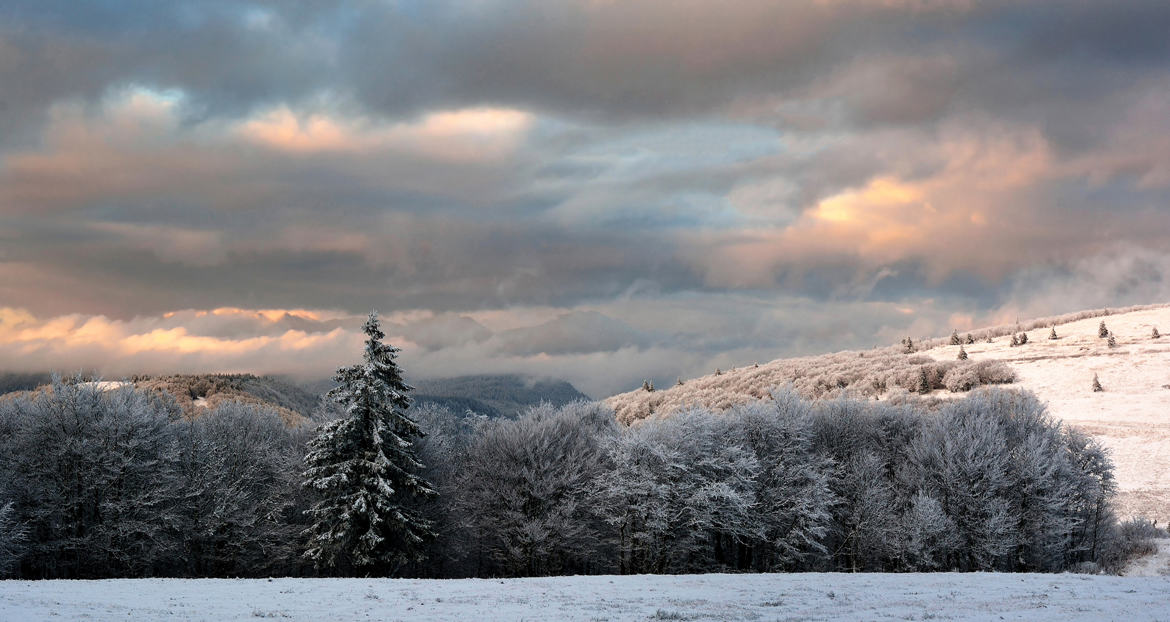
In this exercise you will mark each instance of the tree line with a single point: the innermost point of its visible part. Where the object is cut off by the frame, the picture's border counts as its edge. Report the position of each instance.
(118, 483)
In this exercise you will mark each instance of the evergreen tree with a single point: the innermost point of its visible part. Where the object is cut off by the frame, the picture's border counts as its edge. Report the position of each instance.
(1112, 341)
(1155, 334)
(364, 468)
(1097, 388)
(1015, 341)
(1102, 332)
(1023, 338)
(969, 340)
(955, 340)
(1052, 334)
(962, 354)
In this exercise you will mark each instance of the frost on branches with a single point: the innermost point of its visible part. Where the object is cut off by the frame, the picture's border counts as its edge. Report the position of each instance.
(364, 469)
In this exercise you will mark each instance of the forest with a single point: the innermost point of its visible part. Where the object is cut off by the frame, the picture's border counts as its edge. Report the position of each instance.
(120, 483)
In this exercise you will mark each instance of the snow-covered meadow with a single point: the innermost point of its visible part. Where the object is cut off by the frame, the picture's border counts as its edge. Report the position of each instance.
(813, 596)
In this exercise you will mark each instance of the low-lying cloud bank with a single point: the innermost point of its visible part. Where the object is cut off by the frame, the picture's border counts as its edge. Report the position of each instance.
(602, 348)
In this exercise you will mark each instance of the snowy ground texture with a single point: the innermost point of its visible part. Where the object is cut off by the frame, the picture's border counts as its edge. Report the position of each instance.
(1064, 597)
(1131, 416)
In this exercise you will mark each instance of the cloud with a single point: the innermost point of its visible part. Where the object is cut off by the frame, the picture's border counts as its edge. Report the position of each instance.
(622, 188)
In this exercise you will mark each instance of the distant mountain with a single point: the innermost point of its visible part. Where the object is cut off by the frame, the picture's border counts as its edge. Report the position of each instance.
(22, 381)
(493, 395)
(505, 395)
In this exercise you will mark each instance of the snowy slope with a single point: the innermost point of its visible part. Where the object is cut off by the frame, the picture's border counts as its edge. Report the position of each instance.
(1064, 598)
(1131, 416)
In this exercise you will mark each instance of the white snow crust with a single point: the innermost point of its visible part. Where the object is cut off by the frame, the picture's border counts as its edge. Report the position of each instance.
(813, 596)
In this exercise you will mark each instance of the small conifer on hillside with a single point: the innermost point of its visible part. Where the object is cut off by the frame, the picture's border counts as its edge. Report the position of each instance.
(969, 340)
(1052, 334)
(647, 386)
(1097, 388)
(962, 354)
(1102, 332)
(1015, 341)
(955, 340)
(1023, 338)
(1112, 341)
(1155, 334)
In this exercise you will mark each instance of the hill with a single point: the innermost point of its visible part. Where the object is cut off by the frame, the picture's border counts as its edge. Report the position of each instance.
(1131, 416)
(194, 393)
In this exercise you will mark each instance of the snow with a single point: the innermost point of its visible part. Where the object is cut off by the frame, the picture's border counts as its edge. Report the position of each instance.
(1131, 416)
(1156, 565)
(813, 596)
(106, 385)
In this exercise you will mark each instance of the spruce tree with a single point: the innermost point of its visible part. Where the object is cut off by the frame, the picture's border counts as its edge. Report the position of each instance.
(955, 340)
(1052, 334)
(364, 470)
(1102, 332)
(962, 354)
(1155, 334)
(1097, 388)
(1023, 338)
(969, 340)
(1112, 341)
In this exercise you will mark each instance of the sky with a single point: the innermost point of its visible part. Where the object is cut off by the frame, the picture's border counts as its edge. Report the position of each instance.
(597, 190)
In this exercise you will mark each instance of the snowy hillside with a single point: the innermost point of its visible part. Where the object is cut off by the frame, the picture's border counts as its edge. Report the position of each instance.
(1131, 416)
(1063, 598)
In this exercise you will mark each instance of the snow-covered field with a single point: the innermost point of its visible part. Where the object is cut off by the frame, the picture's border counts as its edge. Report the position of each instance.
(1131, 416)
(1064, 598)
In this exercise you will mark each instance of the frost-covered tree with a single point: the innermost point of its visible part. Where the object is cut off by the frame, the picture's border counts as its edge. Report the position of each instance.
(522, 494)
(926, 535)
(793, 496)
(1097, 388)
(677, 492)
(92, 473)
(1111, 341)
(239, 492)
(969, 339)
(1052, 334)
(1154, 334)
(1102, 331)
(1023, 339)
(962, 354)
(955, 339)
(1015, 341)
(364, 468)
(13, 538)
